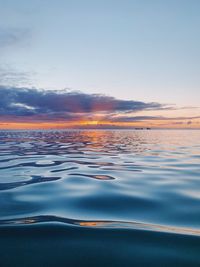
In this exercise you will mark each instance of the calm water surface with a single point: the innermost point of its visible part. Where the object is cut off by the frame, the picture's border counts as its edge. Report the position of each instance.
(100, 198)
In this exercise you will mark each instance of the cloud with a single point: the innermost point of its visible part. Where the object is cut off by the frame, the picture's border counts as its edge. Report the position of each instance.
(65, 105)
(149, 118)
(12, 77)
(12, 36)
(10, 40)
(54, 106)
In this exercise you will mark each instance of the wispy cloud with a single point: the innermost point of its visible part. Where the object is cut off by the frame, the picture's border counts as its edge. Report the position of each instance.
(149, 118)
(10, 76)
(11, 40)
(13, 36)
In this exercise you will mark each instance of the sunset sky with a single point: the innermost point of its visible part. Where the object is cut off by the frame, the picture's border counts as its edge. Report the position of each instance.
(99, 64)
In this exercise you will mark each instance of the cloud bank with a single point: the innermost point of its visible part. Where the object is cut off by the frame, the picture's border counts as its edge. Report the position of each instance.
(25, 105)
(64, 104)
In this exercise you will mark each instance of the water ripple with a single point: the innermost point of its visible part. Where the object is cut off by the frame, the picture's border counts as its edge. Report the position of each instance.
(97, 176)
(101, 224)
(134, 181)
(33, 180)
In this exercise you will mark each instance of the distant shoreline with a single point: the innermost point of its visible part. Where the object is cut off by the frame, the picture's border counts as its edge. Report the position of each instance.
(101, 129)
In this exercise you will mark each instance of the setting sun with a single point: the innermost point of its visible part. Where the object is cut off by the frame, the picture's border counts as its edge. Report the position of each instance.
(90, 122)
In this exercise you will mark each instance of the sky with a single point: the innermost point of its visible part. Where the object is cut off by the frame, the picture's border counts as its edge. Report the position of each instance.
(140, 57)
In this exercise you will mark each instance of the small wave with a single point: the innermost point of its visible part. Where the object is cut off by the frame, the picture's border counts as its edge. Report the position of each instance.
(97, 176)
(101, 224)
(34, 179)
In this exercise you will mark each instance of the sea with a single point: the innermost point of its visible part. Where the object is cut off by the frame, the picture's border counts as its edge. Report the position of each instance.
(99, 198)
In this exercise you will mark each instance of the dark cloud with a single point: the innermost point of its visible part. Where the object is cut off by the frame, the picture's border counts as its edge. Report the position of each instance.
(63, 104)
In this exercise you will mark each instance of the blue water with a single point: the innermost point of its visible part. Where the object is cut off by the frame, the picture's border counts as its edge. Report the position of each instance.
(100, 198)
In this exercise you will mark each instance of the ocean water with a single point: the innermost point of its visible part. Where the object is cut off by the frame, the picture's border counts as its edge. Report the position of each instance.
(100, 198)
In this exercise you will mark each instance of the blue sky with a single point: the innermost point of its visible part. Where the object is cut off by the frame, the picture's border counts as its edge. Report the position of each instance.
(146, 50)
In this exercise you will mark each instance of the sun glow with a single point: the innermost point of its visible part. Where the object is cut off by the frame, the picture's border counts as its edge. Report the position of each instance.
(92, 122)
(97, 124)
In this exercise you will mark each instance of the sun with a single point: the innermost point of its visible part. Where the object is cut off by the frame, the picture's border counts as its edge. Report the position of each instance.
(92, 122)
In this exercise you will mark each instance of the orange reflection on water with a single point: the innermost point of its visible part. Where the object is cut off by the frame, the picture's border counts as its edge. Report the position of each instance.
(91, 224)
(94, 137)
